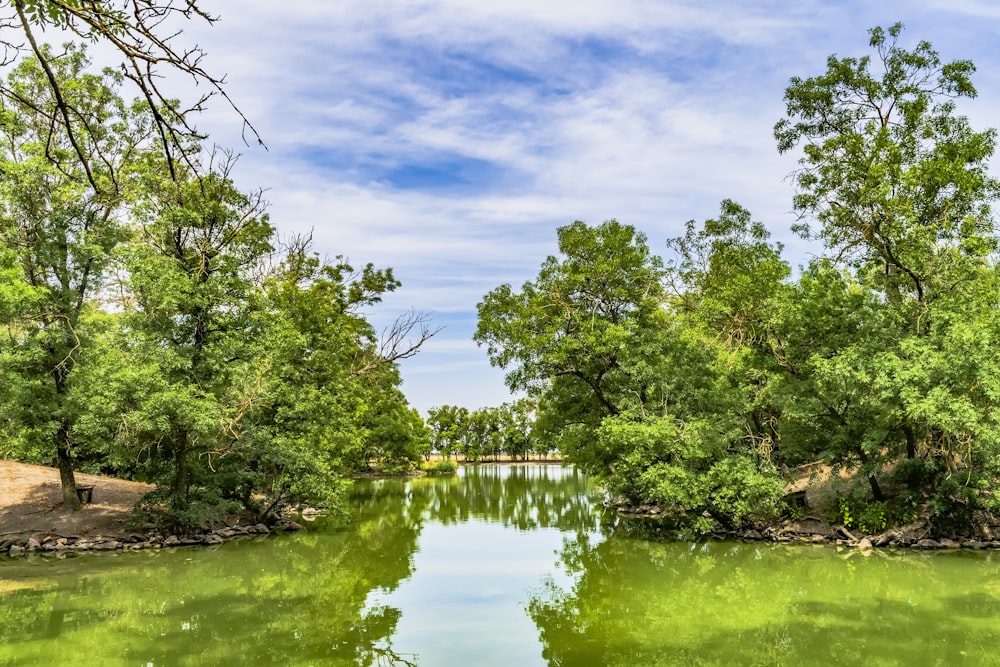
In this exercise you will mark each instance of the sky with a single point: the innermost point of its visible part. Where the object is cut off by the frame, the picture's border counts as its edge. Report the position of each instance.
(448, 139)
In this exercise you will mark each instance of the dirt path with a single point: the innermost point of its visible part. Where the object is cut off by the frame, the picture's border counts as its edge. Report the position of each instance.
(31, 504)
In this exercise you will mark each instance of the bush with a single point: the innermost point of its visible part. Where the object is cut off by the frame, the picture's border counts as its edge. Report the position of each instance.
(442, 467)
(203, 511)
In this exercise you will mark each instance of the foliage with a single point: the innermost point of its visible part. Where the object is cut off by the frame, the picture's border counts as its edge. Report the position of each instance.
(440, 467)
(143, 34)
(155, 328)
(62, 234)
(691, 383)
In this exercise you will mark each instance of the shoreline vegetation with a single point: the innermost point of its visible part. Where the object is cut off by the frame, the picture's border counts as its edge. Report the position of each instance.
(102, 526)
(691, 383)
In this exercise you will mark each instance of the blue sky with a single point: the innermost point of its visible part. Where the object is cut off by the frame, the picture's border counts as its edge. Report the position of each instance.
(448, 139)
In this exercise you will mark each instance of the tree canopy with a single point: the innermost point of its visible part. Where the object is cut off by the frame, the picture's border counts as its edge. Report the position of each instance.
(157, 326)
(691, 383)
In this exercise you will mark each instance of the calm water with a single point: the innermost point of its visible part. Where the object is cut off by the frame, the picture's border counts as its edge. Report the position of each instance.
(498, 566)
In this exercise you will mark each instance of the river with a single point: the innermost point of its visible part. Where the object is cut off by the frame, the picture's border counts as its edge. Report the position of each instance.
(498, 565)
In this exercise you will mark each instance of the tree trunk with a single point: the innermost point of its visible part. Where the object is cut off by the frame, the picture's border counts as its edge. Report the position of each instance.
(892, 287)
(876, 489)
(71, 501)
(872, 481)
(179, 488)
(911, 441)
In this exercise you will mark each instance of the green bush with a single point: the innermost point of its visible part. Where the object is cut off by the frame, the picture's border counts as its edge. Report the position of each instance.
(442, 467)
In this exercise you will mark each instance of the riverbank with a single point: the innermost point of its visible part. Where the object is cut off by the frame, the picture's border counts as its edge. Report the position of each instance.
(32, 519)
(814, 491)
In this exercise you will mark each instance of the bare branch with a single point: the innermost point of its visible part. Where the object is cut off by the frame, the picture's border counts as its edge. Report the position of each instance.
(138, 30)
(402, 340)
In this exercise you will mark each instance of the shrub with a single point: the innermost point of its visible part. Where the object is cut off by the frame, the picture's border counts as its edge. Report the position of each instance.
(442, 467)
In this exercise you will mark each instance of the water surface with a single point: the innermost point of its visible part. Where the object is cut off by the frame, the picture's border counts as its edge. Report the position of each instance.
(498, 566)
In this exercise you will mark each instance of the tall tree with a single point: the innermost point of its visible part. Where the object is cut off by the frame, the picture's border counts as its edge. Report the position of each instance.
(194, 306)
(62, 231)
(898, 185)
(628, 390)
(569, 333)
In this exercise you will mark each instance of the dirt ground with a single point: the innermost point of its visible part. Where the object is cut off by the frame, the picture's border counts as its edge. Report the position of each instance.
(31, 504)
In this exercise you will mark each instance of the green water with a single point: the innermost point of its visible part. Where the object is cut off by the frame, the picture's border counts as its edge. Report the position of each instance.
(499, 566)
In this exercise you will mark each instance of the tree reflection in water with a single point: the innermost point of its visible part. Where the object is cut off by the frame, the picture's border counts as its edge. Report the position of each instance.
(641, 601)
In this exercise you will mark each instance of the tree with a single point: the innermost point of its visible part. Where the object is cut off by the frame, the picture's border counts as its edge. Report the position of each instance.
(630, 391)
(194, 315)
(62, 232)
(571, 334)
(898, 183)
(143, 34)
(446, 423)
(239, 376)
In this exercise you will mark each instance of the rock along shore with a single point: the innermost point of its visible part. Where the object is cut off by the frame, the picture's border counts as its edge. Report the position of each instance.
(813, 530)
(58, 544)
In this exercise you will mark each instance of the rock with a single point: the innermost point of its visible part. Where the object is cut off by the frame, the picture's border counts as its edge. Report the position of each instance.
(32, 544)
(928, 544)
(882, 540)
(818, 539)
(261, 528)
(949, 544)
(864, 544)
(171, 541)
(107, 545)
(211, 538)
(291, 527)
(16, 550)
(226, 533)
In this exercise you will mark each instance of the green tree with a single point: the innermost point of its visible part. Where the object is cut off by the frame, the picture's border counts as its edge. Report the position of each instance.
(446, 423)
(898, 184)
(331, 401)
(630, 391)
(62, 232)
(143, 34)
(571, 334)
(897, 181)
(194, 315)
